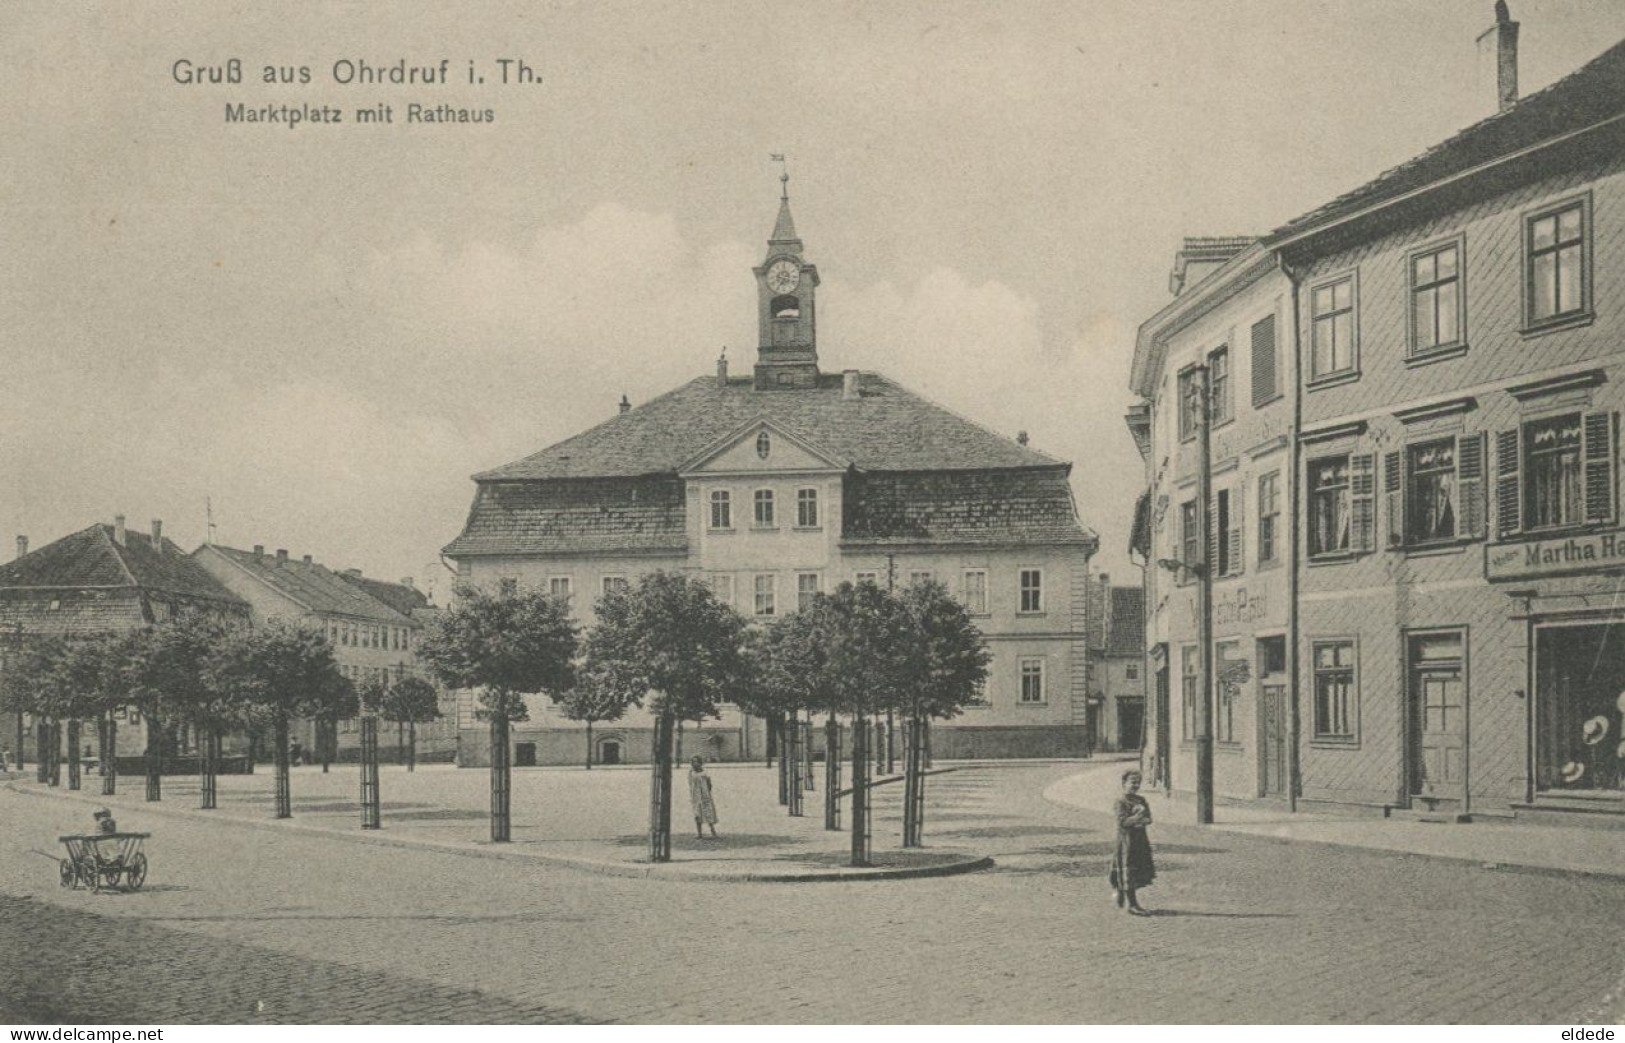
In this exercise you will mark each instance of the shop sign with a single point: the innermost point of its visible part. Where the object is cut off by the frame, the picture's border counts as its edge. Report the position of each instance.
(1591, 552)
(1238, 606)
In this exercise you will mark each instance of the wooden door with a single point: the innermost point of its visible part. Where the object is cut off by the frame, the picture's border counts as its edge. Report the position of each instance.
(1275, 728)
(1440, 730)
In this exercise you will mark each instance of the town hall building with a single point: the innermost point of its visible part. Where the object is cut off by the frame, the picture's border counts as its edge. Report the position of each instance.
(782, 482)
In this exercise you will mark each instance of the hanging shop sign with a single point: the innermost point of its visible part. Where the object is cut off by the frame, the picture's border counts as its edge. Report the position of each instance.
(1590, 552)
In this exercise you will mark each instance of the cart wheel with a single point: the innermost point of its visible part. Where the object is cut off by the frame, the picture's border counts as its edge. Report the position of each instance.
(136, 874)
(70, 876)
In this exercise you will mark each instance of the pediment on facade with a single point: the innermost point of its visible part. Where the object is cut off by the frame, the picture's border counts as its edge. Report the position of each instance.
(759, 446)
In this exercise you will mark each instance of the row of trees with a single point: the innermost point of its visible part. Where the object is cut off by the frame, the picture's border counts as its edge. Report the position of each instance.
(668, 644)
(198, 673)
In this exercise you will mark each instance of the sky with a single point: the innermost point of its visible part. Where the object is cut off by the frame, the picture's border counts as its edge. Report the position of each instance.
(320, 332)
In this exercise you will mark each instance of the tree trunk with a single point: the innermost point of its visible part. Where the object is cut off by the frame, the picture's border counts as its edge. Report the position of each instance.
(914, 783)
(411, 746)
(770, 748)
(22, 733)
(154, 759)
(400, 742)
(832, 773)
(109, 766)
(371, 805)
(660, 791)
(501, 779)
(804, 728)
(328, 741)
(56, 752)
(785, 754)
(75, 765)
(284, 793)
(42, 767)
(860, 792)
(208, 761)
(891, 744)
(589, 745)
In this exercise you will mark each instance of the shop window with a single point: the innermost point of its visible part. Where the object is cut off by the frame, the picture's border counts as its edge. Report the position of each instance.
(1556, 473)
(1230, 672)
(1580, 671)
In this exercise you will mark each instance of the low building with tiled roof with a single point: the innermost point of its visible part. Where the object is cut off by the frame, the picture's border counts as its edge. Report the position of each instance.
(101, 579)
(372, 638)
(786, 481)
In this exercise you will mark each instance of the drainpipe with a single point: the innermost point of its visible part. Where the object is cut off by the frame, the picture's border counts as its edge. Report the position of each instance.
(1294, 542)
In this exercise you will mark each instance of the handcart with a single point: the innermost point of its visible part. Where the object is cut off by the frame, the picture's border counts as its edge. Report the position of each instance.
(104, 861)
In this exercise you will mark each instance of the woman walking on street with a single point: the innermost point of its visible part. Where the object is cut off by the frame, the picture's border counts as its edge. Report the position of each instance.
(1132, 869)
(699, 795)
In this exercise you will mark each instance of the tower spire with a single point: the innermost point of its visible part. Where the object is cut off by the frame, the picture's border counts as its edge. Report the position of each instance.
(784, 229)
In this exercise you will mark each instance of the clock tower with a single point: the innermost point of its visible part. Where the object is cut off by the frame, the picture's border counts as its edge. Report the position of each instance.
(786, 295)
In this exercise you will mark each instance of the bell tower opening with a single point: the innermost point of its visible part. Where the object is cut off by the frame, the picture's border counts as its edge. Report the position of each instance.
(786, 288)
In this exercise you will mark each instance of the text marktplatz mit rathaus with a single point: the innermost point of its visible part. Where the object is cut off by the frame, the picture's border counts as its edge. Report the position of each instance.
(292, 116)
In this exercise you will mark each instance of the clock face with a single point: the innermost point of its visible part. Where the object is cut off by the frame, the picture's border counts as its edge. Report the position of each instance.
(783, 276)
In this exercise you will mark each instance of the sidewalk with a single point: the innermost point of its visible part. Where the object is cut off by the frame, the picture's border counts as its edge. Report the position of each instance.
(1558, 849)
(590, 821)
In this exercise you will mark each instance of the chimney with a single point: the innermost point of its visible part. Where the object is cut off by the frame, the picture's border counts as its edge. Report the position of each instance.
(259, 550)
(1498, 58)
(1106, 580)
(281, 556)
(118, 529)
(307, 559)
(157, 535)
(849, 384)
(722, 369)
(22, 546)
(1021, 438)
(626, 406)
(353, 573)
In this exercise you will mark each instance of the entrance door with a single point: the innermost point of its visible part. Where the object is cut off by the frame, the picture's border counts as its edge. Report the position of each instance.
(609, 752)
(1272, 704)
(1438, 716)
(1164, 732)
(1130, 723)
(524, 755)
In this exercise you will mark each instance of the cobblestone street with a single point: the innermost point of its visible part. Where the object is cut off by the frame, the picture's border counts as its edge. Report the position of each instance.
(241, 924)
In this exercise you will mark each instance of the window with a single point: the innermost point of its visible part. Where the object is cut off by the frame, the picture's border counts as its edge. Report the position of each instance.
(764, 508)
(1032, 680)
(1265, 378)
(807, 508)
(1342, 504)
(1227, 690)
(1190, 539)
(1435, 491)
(1269, 516)
(559, 587)
(614, 584)
(1336, 716)
(806, 590)
(861, 578)
(1556, 249)
(1032, 590)
(1190, 664)
(764, 594)
(722, 585)
(721, 509)
(1131, 671)
(976, 591)
(1190, 405)
(507, 586)
(1556, 472)
(1227, 532)
(764, 445)
(1271, 656)
(1332, 328)
(406, 640)
(918, 576)
(1219, 386)
(1436, 299)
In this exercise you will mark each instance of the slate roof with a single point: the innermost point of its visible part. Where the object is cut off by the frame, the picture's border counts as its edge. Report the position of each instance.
(1015, 507)
(398, 596)
(887, 428)
(312, 585)
(1126, 636)
(93, 558)
(575, 515)
(1592, 93)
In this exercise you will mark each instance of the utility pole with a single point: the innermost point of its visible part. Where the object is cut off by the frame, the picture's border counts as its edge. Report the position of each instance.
(1204, 608)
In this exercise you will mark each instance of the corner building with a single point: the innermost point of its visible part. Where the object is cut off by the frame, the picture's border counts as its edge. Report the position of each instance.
(788, 481)
(1462, 641)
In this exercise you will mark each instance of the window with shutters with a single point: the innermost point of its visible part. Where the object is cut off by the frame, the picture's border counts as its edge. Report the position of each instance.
(1333, 332)
(1556, 472)
(1435, 491)
(1266, 377)
(1223, 410)
(1438, 317)
(1190, 548)
(1557, 262)
(1269, 517)
(1342, 505)
(1226, 552)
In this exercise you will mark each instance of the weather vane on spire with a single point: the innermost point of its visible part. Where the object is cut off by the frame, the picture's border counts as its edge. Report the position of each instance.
(784, 174)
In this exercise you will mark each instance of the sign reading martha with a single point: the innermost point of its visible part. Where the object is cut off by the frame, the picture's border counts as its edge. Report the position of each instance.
(1585, 553)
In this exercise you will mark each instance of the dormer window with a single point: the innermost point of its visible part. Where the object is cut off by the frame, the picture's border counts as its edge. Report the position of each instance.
(786, 307)
(764, 444)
